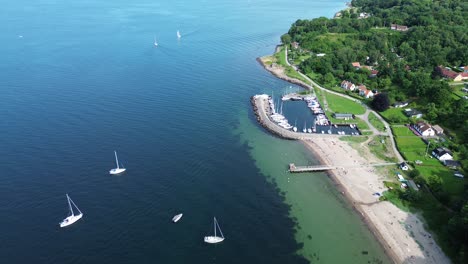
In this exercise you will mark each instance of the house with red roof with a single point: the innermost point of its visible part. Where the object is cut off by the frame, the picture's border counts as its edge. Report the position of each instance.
(356, 65)
(450, 74)
(363, 91)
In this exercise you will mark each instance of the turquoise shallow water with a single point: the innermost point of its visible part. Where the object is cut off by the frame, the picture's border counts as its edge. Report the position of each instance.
(81, 79)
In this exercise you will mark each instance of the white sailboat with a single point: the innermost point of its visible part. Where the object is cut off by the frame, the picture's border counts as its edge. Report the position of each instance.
(72, 218)
(155, 42)
(215, 239)
(118, 169)
(304, 130)
(295, 127)
(177, 218)
(178, 34)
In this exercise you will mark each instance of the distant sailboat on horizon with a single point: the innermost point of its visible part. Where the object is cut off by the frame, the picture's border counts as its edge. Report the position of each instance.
(215, 239)
(118, 169)
(72, 218)
(155, 42)
(178, 34)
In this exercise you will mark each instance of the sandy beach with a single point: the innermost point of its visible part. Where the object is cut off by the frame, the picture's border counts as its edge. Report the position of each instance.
(402, 234)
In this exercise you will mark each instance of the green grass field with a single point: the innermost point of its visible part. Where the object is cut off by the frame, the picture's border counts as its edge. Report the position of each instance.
(340, 104)
(394, 116)
(375, 121)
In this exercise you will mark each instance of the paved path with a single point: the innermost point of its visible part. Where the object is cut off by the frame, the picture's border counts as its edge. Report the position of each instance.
(387, 126)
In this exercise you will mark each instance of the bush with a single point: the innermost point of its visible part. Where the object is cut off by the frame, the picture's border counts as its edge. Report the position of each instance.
(419, 180)
(414, 173)
(410, 195)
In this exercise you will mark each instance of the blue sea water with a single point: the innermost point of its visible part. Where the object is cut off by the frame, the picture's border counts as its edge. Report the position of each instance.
(80, 79)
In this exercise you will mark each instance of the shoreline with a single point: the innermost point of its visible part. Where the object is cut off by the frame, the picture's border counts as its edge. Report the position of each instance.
(282, 76)
(352, 202)
(400, 242)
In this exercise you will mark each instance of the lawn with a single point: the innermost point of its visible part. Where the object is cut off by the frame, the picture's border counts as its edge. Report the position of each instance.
(382, 150)
(375, 122)
(340, 104)
(394, 116)
(280, 57)
(359, 122)
(413, 148)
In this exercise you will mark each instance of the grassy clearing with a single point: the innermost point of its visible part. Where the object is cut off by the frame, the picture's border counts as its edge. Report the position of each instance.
(375, 122)
(280, 58)
(395, 116)
(354, 139)
(340, 104)
(381, 150)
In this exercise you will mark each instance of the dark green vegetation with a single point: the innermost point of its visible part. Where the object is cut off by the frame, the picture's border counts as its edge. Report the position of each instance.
(405, 61)
(380, 102)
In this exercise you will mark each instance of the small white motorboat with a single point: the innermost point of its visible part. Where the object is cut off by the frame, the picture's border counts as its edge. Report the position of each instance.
(176, 218)
(72, 218)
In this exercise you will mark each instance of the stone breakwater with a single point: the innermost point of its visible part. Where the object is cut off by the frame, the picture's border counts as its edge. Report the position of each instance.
(261, 113)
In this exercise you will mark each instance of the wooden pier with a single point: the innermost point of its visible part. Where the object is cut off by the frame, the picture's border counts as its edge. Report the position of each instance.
(295, 169)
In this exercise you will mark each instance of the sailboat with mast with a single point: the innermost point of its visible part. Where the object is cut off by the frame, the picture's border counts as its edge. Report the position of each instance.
(155, 42)
(215, 239)
(304, 130)
(118, 169)
(72, 218)
(178, 34)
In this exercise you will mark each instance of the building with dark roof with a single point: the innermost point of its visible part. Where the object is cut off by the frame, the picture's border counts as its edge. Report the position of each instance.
(453, 164)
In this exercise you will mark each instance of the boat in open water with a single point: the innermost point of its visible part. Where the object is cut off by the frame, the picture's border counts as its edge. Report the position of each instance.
(177, 217)
(72, 218)
(215, 239)
(118, 169)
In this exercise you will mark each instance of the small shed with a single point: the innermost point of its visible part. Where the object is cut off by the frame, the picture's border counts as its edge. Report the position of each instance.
(343, 116)
(453, 164)
(413, 113)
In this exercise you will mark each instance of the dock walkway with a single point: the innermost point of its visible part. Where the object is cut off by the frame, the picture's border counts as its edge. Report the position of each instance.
(296, 169)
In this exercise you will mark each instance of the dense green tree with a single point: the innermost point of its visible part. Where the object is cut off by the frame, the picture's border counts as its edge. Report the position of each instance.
(381, 102)
(286, 39)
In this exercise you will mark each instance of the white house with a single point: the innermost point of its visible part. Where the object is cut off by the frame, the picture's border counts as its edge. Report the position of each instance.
(348, 85)
(364, 92)
(442, 154)
(424, 129)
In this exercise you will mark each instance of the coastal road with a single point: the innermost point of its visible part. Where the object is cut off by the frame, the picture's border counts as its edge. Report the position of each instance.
(387, 126)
